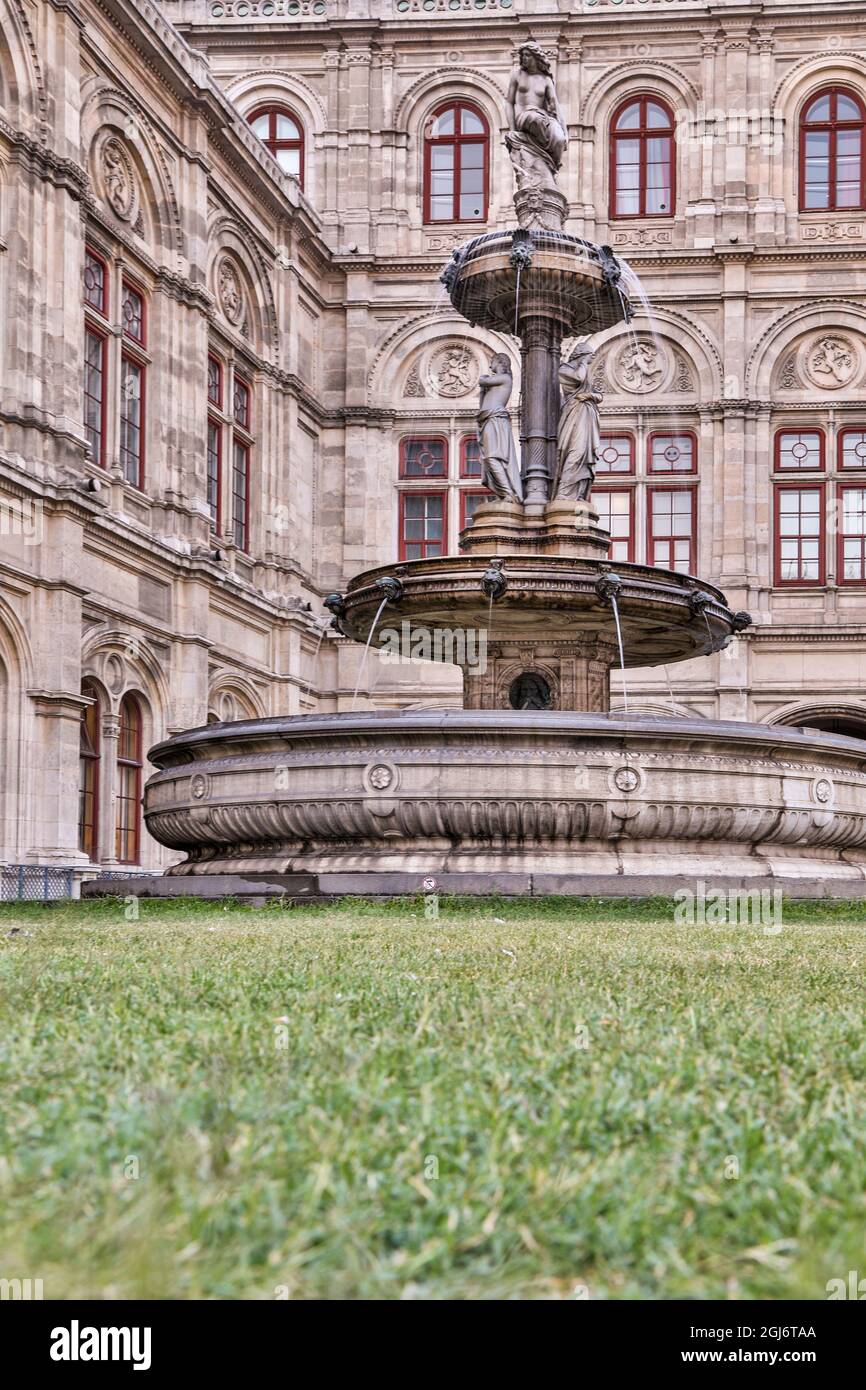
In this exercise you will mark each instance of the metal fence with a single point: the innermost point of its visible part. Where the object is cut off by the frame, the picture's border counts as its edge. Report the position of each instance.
(34, 883)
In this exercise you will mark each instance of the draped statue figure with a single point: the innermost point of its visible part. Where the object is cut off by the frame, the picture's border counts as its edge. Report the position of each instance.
(495, 437)
(578, 439)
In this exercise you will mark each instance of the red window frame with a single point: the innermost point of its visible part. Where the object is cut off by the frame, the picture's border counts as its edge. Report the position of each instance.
(456, 141)
(132, 459)
(127, 829)
(483, 493)
(778, 490)
(840, 449)
(214, 476)
(842, 536)
(274, 143)
(618, 472)
(671, 472)
(216, 399)
(833, 127)
(410, 441)
(102, 306)
(98, 335)
(89, 763)
(130, 287)
(780, 467)
(642, 133)
(426, 546)
(470, 441)
(241, 515)
(652, 490)
(242, 391)
(629, 492)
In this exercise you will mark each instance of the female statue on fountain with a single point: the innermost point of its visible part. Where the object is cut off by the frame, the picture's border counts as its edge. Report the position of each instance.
(498, 454)
(579, 439)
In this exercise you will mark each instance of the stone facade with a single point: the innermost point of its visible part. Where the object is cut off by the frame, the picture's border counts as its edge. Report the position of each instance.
(123, 128)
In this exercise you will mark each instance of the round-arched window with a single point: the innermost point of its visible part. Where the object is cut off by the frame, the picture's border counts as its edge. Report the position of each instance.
(281, 132)
(642, 164)
(456, 164)
(833, 152)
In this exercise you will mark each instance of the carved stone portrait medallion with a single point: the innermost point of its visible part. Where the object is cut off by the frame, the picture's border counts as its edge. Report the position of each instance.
(640, 367)
(230, 291)
(831, 361)
(118, 180)
(453, 371)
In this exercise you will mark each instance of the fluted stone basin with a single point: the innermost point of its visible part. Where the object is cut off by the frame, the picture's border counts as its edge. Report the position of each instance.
(564, 277)
(665, 616)
(480, 801)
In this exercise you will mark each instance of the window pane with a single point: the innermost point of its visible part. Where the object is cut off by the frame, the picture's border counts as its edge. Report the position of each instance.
(261, 126)
(629, 119)
(471, 466)
(94, 385)
(799, 450)
(444, 124)
(290, 161)
(854, 449)
(214, 381)
(286, 128)
(94, 282)
(240, 481)
(847, 109)
(131, 421)
(819, 109)
(471, 124)
(615, 454)
(132, 310)
(424, 458)
(672, 454)
(241, 403)
(213, 470)
(656, 115)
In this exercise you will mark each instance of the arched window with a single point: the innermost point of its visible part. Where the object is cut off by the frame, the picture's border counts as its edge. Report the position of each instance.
(88, 774)
(128, 820)
(642, 166)
(833, 152)
(456, 164)
(280, 130)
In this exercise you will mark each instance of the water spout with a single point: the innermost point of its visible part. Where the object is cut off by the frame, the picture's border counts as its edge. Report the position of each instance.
(392, 592)
(493, 581)
(607, 586)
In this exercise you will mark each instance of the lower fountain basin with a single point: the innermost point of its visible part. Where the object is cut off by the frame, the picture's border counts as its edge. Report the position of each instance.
(487, 801)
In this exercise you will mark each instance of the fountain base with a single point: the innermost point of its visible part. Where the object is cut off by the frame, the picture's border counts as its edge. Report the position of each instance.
(498, 801)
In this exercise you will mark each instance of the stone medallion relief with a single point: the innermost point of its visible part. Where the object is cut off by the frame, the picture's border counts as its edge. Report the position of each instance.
(640, 367)
(117, 179)
(449, 371)
(832, 361)
(828, 361)
(230, 291)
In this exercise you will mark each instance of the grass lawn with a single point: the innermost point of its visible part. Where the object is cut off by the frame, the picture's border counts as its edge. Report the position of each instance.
(514, 1100)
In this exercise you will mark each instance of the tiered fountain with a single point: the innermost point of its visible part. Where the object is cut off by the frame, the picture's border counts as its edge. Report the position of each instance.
(534, 786)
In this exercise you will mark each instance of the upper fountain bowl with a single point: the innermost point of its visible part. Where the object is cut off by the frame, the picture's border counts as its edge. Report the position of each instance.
(502, 277)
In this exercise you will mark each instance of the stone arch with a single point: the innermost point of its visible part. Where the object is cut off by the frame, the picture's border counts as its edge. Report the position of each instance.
(413, 112)
(121, 661)
(779, 338)
(22, 88)
(16, 735)
(797, 86)
(427, 91)
(232, 696)
(847, 717)
(414, 339)
(108, 112)
(683, 342)
(227, 237)
(636, 76)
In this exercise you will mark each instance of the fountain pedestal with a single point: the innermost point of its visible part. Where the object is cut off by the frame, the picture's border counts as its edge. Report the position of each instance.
(501, 528)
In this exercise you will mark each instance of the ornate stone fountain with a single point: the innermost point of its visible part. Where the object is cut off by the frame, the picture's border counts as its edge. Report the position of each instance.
(533, 786)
